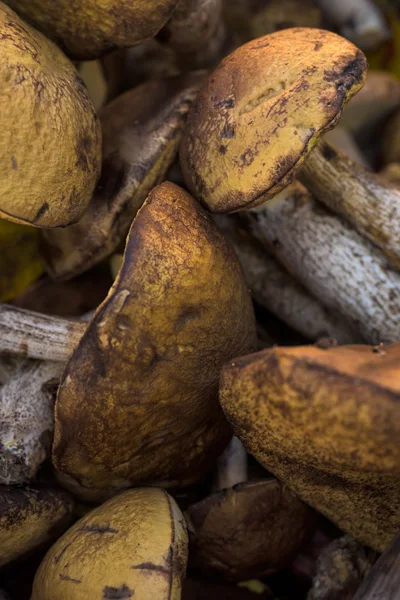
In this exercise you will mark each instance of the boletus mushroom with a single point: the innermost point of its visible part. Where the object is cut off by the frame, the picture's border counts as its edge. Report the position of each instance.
(141, 132)
(31, 517)
(87, 30)
(138, 397)
(259, 115)
(51, 144)
(326, 423)
(133, 546)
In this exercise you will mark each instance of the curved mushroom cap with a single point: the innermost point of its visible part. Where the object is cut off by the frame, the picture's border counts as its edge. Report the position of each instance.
(31, 517)
(250, 530)
(134, 545)
(138, 398)
(261, 113)
(327, 423)
(141, 133)
(50, 149)
(86, 30)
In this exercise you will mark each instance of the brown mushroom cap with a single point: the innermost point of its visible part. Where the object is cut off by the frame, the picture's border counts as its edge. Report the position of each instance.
(138, 398)
(86, 30)
(31, 517)
(250, 530)
(327, 423)
(262, 111)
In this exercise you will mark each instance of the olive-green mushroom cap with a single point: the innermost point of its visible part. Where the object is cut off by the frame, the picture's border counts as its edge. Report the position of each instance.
(262, 111)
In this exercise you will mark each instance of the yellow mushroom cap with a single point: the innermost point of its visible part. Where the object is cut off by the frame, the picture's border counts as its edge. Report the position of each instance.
(50, 148)
(262, 111)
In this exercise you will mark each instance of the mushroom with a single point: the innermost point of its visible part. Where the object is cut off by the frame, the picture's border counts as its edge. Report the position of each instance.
(27, 419)
(249, 529)
(275, 288)
(196, 31)
(341, 566)
(141, 133)
(20, 262)
(383, 580)
(86, 31)
(258, 116)
(347, 273)
(327, 424)
(51, 143)
(30, 518)
(138, 397)
(134, 545)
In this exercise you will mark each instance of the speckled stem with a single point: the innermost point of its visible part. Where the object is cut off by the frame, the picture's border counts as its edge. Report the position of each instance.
(365, 199)
(347, 273)
(383, 580)
(34, 335)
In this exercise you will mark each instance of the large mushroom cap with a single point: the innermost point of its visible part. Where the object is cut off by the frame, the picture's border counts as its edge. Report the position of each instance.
(50, 149)
(133, 546)
(138, 398)
(86, 29)
(262, 111)
(327, 423)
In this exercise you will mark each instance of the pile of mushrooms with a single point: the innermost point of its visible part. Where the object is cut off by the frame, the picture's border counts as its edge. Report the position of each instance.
(199, 302)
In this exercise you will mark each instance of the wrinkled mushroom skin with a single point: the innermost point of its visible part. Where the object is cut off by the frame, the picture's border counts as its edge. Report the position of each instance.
(261, 112)
(138, 398)
(85, 30)
(141, 133)
(248, 531)
(50, 149)
(31, 517)
(327, 423)
(133, 546)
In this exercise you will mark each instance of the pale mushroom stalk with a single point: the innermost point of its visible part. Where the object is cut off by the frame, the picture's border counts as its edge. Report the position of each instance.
(279, 291)
(345, 271)
(365, 199)
(35, 335)
(359, 20)
(383, 580)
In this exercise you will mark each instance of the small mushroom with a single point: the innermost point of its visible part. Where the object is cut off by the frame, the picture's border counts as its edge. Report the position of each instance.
(383, 580)
(27, 419)
(141, 133)
(259, 115)
(196, 31)
(248, 530)
(326, 423)
(275, 288)
(347, 273)
(30, 518)
(88, 30)
(51, 143)
(20, 262)
(138, 396)
(133, 546)
(341, 566)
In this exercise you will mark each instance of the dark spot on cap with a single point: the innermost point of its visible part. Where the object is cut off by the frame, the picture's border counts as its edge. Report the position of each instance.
(223, 149)
(228, 131)
(42, 211)
(247, 157)
(14, 163)
(318, 46)
(68, 578)
(226, 103)
(149, 566)
(98, 529)
(121, 593)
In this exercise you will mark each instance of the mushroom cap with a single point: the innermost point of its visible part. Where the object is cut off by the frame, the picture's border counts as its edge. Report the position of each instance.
(134, 545)
(138, 400)
(248, 531)
(31, 517)
(50, 149)
(141, 133)
(262, 111)
(327, 423)
(86, 30)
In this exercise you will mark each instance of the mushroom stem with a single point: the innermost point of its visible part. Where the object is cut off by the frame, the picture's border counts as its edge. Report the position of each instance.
(367, 200)
(359, 20)
(231, 466)
(34, 335)
(383, 580)
(345, 271)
